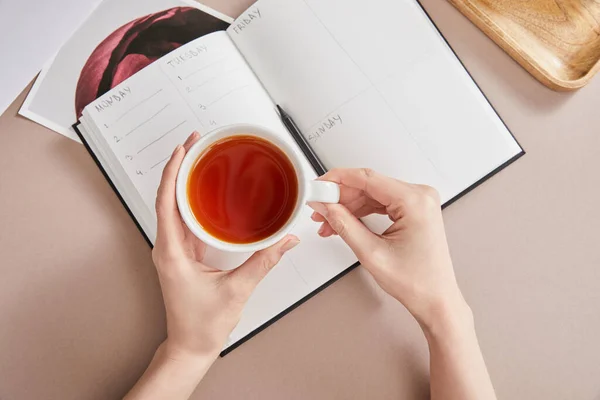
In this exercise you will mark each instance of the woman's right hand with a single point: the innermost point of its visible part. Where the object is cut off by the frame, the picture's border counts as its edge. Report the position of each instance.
(410, 260)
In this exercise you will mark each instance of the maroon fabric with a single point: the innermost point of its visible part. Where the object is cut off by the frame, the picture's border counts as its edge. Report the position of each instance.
(136, 45)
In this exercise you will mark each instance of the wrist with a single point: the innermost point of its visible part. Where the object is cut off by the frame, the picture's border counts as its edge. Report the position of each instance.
(171, 374)
(447, 317)
(193, 361)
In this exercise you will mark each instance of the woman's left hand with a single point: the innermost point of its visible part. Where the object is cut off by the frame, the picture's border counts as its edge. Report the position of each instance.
(203, 304)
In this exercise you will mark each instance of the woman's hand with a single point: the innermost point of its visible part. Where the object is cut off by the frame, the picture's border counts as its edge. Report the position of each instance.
(203, 304)
(410, 260)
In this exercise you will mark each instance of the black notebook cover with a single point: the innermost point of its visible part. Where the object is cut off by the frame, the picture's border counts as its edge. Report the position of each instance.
(326, 284)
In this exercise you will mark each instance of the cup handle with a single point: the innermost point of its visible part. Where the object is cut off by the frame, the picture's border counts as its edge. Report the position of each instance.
(323, 192)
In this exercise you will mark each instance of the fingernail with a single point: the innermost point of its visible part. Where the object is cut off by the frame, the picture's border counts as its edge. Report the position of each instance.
(179, 147)
(314, 216)
(290, 244)
(320, 208)
(321, 230)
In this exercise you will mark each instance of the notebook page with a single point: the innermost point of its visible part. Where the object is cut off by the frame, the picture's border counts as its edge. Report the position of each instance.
(114, 170)
(202, 86)
(374, 85)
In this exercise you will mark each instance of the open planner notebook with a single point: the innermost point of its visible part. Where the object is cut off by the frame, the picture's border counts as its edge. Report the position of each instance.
(369, 86)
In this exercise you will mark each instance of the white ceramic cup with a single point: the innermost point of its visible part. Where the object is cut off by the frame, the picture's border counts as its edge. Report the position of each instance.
(308, 190)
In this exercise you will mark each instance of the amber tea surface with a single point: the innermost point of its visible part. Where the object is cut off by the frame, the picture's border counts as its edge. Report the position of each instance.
(242, 189)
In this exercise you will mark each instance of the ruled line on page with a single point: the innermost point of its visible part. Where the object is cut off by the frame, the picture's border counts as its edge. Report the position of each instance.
(160, 162)
(135, 106)
(148, 120)
(204, 67)
(160, 137)
(193, 88)
(226, 94)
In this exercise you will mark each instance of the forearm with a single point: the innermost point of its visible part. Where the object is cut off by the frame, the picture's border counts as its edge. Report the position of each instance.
(458, 370)
(169, 377)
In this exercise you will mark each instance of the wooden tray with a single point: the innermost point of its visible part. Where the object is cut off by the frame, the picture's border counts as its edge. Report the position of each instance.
(557, 41)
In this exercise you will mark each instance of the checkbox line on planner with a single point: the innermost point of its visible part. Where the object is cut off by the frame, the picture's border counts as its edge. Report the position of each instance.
(160, 162)
(226, 94)
(160, 137)
(135, 106)
(204, 67)
(191, 89)
(146, 121)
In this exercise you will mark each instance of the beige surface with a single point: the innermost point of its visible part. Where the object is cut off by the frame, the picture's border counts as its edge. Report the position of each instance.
(81, 312)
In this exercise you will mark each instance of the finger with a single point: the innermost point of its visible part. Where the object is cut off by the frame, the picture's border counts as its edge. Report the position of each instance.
(317, 217)
(384, 189)
(169, 222)
(326, 230)
(350, 194)
(362, 203)
(251, 272)
(190, 141)
(352, 198)
(197, 246)
(348, 227)
(356, 204)
(352, 206)
(368, 209)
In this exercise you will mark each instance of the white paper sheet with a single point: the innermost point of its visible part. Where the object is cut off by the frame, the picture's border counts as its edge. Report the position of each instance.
(31, 32)
(51, 101)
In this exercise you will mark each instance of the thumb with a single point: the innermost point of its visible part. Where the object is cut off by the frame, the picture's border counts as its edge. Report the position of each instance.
(356, 235)
(251, 272)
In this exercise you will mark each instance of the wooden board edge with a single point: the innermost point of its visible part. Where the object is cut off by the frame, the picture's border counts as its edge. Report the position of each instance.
(512, 48)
